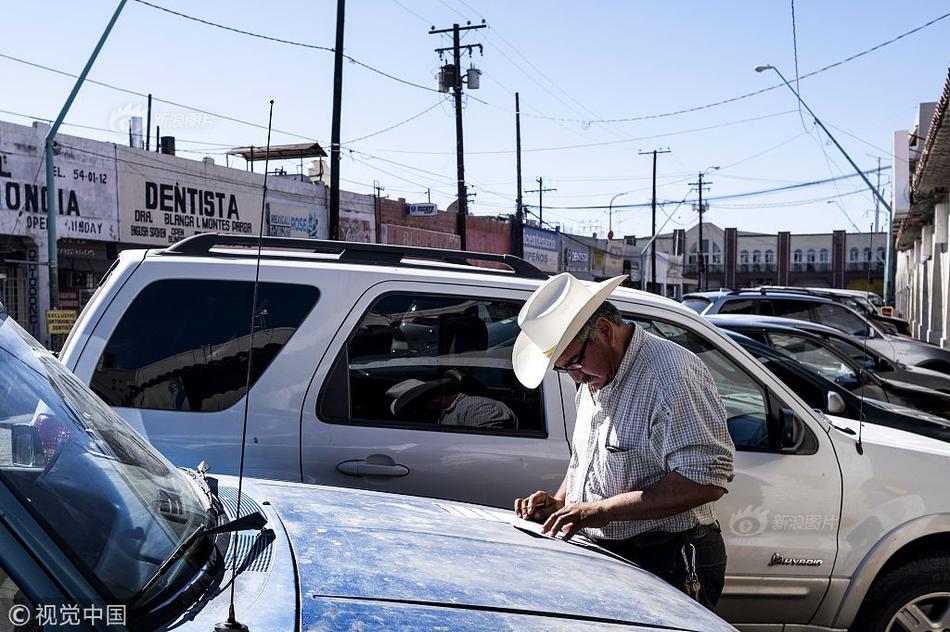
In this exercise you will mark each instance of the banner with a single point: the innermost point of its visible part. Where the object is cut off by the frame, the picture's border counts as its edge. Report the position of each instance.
(84, 175)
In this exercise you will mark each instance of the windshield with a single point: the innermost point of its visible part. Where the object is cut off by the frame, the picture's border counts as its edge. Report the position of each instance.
(113, 504)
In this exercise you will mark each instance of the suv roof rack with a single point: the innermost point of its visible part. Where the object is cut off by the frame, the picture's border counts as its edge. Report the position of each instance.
(782, 290)
(353, 252)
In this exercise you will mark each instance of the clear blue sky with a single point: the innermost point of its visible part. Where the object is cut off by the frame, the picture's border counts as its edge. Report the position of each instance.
(568, 60)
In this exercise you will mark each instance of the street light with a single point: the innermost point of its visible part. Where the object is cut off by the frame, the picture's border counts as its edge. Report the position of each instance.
(888, 291)
(610, 215)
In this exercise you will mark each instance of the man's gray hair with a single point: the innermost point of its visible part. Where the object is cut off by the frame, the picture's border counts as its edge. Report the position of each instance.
(606, 310)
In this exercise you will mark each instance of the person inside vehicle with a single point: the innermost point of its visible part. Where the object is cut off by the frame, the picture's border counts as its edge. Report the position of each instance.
(651, 449)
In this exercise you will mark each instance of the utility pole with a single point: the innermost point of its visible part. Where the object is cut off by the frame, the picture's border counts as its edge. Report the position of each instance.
(540, 191)
(653, 225)
(377, 189)
(455, 77)
(699, 249)
(518, 232)
(334, 227)
(877, 202)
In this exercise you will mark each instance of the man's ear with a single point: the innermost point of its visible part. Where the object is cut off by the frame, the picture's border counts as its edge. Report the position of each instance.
(605, 327)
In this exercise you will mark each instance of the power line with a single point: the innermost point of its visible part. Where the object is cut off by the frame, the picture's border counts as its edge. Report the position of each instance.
(283, 41)
(790, 187)
(400, 123)
(158, 100)
(749, 94)
(596, 144)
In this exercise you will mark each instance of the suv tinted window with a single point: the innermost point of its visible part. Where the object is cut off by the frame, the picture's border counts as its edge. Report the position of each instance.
(841, 318)
(183, 343)
(740, 306)
(744, 399)
(696, 303)
(799, 310)
(433, 362)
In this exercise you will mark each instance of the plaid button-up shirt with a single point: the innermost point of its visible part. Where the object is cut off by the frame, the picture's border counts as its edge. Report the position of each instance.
(661, 413)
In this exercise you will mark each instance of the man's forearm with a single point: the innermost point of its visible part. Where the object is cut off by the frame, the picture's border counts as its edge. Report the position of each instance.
(561, 492)
(671, 495)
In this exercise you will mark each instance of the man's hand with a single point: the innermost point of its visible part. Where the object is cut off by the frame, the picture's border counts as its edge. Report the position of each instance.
(538, 506)
(570, 519)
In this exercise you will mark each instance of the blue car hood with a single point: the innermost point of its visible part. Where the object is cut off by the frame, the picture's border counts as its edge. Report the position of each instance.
(401, 560)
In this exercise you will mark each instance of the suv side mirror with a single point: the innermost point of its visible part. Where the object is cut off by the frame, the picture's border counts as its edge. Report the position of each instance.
(791, 431)
(834, 403)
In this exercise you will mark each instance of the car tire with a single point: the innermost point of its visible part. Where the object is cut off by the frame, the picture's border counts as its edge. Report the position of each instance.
(911, 597)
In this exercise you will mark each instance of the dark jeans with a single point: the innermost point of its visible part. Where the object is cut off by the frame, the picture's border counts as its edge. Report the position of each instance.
(659, 553)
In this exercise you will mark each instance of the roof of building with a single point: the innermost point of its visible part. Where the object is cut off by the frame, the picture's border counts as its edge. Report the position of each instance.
(279, 152)
(933, 168)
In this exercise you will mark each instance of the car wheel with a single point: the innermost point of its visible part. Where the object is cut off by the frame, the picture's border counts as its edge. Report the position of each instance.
(910, 598)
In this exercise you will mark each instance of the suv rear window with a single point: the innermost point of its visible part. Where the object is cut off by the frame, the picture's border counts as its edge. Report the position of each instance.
(696, 303)
(183, 344)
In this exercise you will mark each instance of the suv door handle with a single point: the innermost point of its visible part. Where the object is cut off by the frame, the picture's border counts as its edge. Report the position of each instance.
(361, 467)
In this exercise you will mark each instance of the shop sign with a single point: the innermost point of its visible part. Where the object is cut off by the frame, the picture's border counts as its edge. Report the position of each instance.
(577, 261)
(84, 179)
(541, 248)
(60, 321)
(69, 299)
(423, 210)
(164, 199)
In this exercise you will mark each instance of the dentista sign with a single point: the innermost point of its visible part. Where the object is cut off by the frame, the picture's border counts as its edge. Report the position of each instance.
(163, 200)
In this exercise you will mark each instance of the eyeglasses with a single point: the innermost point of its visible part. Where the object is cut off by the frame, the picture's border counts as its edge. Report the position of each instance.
(577, 363)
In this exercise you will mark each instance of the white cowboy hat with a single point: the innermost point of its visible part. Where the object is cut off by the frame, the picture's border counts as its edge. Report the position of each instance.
(550, 320)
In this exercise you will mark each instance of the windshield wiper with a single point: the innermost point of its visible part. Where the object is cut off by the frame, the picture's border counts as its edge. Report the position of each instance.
(254, 521)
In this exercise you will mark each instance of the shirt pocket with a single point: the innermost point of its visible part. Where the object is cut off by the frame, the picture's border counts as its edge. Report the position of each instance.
(619, 473)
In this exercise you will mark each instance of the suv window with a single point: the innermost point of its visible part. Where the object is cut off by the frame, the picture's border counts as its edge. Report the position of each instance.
(813, 355)
(841, 318)
(436, 363)
(183, 343)
(740, 306)
(696, 303)
(798, 310)
(745, 400)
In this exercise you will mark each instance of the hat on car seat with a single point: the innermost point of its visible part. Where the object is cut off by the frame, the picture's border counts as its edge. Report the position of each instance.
(551, 318)
(410, 390)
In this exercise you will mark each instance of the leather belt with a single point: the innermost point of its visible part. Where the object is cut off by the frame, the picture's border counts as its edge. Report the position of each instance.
(659, 538)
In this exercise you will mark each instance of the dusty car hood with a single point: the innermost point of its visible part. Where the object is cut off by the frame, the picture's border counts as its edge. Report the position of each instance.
(392, 559)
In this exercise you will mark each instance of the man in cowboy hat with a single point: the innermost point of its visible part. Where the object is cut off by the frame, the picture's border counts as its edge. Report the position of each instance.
(651, 450)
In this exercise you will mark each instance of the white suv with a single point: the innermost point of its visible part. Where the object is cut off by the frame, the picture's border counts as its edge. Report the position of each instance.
(366, 358)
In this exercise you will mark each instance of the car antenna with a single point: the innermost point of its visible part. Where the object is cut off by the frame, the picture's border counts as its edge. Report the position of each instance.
(232, 623)
(859, 446)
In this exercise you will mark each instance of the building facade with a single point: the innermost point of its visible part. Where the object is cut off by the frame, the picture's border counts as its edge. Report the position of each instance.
(737, 259)
(921, 172)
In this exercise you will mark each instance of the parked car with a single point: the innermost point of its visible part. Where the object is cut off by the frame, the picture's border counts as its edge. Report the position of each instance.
(825, 311)
(855, 299)
(93, 518)
(353, 348)
(846, 362)
(832, 398)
